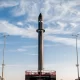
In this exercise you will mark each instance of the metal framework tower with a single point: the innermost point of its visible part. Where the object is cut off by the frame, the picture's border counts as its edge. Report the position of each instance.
(77, 65)
(3, 57)
(2, 77)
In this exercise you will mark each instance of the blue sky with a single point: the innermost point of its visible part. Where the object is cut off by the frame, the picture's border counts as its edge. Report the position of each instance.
(19, 19)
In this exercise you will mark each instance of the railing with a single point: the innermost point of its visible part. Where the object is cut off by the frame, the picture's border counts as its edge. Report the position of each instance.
(35, 72)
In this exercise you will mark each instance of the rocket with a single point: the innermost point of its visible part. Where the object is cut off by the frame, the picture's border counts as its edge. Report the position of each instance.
(40, 31)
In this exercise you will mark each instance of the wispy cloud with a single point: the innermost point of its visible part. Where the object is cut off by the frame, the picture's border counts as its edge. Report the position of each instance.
(36, 46)
(15, 30)
(21, 50)
(31, 54)
(20, 9)
(20, 23)
(17, 50)
(64, 13)
(25, 7)
(8, 3)
(60, 17)
(51, 9)
(31, 33)
(32, 46)
(66, 41)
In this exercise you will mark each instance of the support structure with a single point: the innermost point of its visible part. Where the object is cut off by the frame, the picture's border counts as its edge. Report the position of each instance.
(3, 57)
(77, 65)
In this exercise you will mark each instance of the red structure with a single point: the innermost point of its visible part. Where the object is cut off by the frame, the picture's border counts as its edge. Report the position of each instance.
(40, 74)
(34, 75)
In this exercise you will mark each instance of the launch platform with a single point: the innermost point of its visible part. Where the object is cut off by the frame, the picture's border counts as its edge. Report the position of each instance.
(46, 75)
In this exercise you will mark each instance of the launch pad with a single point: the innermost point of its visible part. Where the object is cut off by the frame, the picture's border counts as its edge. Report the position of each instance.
(46, 75)
(40, 74)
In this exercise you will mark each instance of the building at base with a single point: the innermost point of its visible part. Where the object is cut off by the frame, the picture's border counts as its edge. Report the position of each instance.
(77, 79)
(33, 75)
